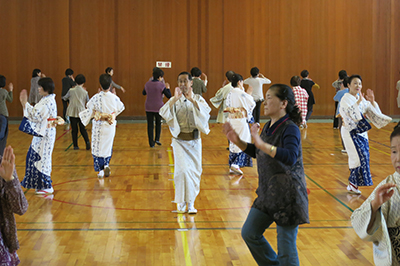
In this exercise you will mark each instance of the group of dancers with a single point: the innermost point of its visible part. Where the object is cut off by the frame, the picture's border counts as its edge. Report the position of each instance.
(40, 120)
(281, 194)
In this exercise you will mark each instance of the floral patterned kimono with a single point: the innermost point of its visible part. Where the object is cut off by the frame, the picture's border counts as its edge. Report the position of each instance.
(38, 159)
(355, 136)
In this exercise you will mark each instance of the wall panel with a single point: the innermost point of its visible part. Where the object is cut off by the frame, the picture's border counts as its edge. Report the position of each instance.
(280, 37)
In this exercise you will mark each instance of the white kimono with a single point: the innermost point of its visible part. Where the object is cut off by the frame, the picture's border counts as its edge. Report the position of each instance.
(38, 158)
(351, 112)
(102, 132)
(184, 117)
(387, 219)
(238, 98)
(219, 101)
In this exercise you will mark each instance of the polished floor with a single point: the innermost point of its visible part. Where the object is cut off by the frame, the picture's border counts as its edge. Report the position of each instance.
(126, 219)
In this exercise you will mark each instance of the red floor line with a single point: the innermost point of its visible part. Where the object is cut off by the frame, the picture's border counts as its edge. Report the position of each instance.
(62, 135)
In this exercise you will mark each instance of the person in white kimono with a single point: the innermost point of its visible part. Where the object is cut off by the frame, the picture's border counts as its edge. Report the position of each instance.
(377, 219)
(240, 105)
(103, 107)
(40, 121)
(187, 115)
(353, 108)
(219, 100)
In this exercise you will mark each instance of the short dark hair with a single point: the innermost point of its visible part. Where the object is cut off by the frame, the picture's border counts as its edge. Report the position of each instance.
(105, 81)
(69, 72)
(186, 73)
(254, 71)
(196, 72)
(35, 72)
(235, 79)
(47, 84)
(396, 132)
(353, 77)
(2, 81)
(304, 73)
(284, 92)
(157, 73)
(108, 69)
(80, 79)
(295, 81)
(229, 75)
(342, 74)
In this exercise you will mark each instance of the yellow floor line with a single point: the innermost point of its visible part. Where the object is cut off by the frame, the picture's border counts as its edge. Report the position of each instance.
(181, 221)
(379, 150)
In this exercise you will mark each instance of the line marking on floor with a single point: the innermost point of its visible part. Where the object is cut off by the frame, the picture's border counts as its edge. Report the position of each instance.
(72, 143)
(330, 194)
(379, 150)
(183, 230)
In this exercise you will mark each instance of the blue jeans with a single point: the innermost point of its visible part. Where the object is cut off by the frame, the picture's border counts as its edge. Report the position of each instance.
(252, 232)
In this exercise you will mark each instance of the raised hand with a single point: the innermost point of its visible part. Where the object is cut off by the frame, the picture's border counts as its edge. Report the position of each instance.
(178, 93)
(7, 164)
(382, 195)
(230, 133)
(370, 96)
(10, 87)
(23, 97)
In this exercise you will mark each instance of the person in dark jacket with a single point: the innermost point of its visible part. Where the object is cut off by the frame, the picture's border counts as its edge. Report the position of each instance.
(282, 192)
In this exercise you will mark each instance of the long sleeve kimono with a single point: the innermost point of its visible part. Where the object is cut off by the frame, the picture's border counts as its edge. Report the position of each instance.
(184, 117)
(102, 132)
(355, 136)
(219, 100)
(385, 232)
(237, 98)
(38, 159)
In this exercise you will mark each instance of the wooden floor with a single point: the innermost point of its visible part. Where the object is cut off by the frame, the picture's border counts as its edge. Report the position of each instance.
(127, 220)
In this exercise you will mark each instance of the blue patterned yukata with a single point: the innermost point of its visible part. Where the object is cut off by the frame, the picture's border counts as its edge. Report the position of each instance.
(38, 159)
(355, 136)
(102, 132)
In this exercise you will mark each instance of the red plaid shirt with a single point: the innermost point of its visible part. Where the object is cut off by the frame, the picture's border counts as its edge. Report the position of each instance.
(301, 97)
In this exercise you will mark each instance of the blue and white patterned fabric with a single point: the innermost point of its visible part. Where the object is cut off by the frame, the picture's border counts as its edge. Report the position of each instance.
(100, 162)
(38, 158)
(361, 176)
(25, 127)
(102, 132)
(355, 136)
(240, 159)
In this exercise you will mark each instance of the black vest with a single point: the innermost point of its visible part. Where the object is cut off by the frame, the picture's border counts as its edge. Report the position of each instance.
(282, 190)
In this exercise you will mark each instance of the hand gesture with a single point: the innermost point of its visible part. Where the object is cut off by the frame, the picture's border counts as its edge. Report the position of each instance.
(7, 164)
(225, 82)
(382, 195)
(42, 75)
(254, 130)
(178, 93)
(370, 96)
(204, 76)
(23, 97)
(261, 75)
(10, 87)
(123, 90)
(230, 133)
(167, 85)
(189, 94)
